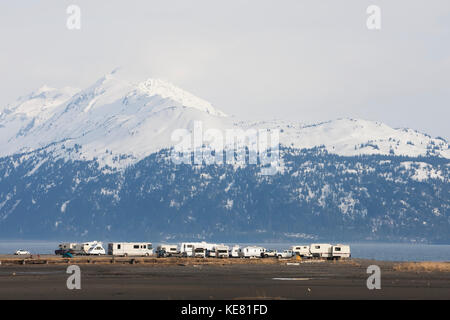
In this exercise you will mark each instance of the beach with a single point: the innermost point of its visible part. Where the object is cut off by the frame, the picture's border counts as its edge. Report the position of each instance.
(187, 278)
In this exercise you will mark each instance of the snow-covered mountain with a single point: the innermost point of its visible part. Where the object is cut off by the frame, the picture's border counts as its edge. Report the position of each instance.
(115, 118)
(95, 163)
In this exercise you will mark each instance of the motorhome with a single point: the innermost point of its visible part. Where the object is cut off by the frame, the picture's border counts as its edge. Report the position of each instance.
(200, 250)
(321, 250)
(301, 250)
(235, 252)
(341, 251)
(252, 252)
(187, 248)
(167, 250)
(130, 249)
(211, 249)
(222, 251)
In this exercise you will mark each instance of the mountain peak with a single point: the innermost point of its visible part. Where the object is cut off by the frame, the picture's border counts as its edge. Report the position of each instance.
(166, 90)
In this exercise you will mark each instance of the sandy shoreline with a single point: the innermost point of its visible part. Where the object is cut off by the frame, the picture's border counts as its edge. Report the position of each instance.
(221, 279)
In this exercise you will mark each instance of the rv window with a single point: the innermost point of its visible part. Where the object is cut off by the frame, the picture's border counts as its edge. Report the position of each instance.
(118, 246)
(337, 249)
(317, 247)
(149, 246)
(136, 246)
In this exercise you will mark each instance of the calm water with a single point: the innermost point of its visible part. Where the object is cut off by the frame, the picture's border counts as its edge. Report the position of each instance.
(378, 251)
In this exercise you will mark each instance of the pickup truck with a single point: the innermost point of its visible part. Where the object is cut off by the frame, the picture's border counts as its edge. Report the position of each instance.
(285, 254)
(269, 254)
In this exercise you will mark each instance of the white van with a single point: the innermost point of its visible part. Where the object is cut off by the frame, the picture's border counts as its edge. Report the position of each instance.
(130, 249)
(341, 251)
(301, 250)
(321, 250)
(252, 252)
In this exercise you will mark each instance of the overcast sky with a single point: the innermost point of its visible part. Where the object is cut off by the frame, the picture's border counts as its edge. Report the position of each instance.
(256, 59)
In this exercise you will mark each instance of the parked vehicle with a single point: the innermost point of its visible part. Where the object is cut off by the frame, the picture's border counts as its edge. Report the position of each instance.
(96, 250)
(22, 252)
(200, 250)
(235, 252)
(269, 254)
(321, 250)
(285, 254)
(167, 250)
(130, 249)
(222, 251)
(187, 249)
(302, 250)
(252, 252)
(210, 249)
(341, 251)
(84, 248)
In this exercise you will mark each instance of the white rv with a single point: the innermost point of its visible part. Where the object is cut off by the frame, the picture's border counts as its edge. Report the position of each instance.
(252, 252)
(341, 251)
(130, 249)
(222, 251)
(187, 248)
(200, 250)
(211, 249)
(321, 250)
(302, 251)
(235, 252)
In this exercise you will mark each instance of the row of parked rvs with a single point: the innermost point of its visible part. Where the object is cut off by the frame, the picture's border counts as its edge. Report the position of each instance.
(204, 249)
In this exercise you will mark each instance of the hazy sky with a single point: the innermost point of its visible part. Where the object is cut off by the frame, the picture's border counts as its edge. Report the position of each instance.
(256, 59)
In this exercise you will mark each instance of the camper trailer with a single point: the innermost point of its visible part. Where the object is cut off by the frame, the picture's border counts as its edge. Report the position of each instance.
(301, 250)
(341, 251)
(252, 252)
(130, 249)
(167, 250)
(222, 251)
(321, 250)
(235, 252)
